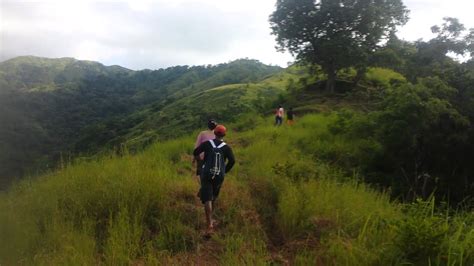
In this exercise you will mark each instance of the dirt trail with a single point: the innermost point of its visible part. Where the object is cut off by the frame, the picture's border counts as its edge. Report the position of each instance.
(260, 208)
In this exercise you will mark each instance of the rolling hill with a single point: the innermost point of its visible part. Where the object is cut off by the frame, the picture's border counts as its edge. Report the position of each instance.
(280, 205)
(340, 187)
(51, 107)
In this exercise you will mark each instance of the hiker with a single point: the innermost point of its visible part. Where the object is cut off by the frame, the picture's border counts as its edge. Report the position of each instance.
(203, 136)
(216, 152)
(290, 115)
(279, 115)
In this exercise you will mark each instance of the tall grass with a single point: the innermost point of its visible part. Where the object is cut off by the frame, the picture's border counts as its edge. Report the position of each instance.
(284, 202)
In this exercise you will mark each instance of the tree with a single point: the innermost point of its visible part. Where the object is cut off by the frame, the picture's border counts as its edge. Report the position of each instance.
(435, 57)
(424, 137)
(335, 33)
(452, 37)
(394, 55)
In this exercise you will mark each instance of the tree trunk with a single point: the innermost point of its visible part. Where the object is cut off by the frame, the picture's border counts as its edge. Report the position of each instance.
(331, 82)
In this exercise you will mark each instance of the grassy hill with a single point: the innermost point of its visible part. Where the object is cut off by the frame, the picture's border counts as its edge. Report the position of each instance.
(176, 116)
(279, 205)
(381, 175)
(37, 73)
(53, 108)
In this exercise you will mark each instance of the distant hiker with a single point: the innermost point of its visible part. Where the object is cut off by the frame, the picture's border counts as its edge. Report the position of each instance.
(203, 136)
(279, 115)
(290, 115)
(216, 152)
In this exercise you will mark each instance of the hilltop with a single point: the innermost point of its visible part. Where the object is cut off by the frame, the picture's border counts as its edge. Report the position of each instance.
(38, 73)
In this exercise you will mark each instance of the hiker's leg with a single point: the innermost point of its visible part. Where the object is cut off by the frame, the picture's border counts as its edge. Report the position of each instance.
(216, 188)
(206, 199)
(214, 205)
(208, 210)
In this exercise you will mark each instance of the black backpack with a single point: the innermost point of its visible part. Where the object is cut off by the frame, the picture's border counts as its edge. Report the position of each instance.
(214, 165)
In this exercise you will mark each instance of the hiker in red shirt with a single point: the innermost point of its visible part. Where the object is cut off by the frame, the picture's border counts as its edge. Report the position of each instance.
(279, 115)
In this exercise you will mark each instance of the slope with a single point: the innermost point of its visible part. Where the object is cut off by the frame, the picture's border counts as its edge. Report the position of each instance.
(47, 105)
(173, 117)
(278, 206)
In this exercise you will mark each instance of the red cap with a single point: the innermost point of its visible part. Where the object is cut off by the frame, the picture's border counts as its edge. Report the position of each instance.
(220, 130)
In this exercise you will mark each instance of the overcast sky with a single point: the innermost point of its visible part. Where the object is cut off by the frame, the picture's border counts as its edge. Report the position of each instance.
(161, 33)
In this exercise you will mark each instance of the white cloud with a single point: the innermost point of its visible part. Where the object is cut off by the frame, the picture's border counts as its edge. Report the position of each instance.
(141, 34)
(151, 34)
(426, 13)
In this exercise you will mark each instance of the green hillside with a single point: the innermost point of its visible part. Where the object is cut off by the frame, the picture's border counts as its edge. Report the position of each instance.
(53, 108)
(37, 73)
(279, 205)
(327, 190)
(176, 116)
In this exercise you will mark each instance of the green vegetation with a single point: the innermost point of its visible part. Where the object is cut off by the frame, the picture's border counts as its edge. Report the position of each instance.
(53, 108)
(381, 175)
(335, 35)
(281, 204)
(176, 116)
(415, 126)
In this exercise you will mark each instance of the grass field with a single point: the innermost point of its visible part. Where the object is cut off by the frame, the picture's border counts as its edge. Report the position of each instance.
(280, 204)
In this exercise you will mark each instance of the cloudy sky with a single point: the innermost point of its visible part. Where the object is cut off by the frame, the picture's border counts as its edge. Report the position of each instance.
(154, 34)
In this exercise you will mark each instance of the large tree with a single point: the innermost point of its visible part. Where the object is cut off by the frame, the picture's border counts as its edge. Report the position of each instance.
(335, 34)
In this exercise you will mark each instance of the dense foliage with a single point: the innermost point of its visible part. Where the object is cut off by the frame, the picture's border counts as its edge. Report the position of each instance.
(419, 142)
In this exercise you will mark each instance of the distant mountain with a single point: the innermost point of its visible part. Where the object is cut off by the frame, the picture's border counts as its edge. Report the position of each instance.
(31, 72)
(55, 107)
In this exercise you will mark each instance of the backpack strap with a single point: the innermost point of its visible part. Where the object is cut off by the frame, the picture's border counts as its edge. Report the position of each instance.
(212, 143)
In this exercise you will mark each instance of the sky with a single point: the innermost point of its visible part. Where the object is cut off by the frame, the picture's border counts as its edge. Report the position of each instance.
(161, 33)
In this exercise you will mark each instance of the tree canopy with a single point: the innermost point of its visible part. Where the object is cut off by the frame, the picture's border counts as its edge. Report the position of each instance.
(335, 33)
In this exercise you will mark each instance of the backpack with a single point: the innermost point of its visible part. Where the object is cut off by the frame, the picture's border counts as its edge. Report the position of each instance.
(214, 165)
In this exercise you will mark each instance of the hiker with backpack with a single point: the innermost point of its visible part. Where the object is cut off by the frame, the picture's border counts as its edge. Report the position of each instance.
(216, 153)
(203, 136)
(279, 115)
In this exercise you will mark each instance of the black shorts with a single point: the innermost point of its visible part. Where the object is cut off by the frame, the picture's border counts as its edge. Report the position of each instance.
(210, 188)
(199, 167)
